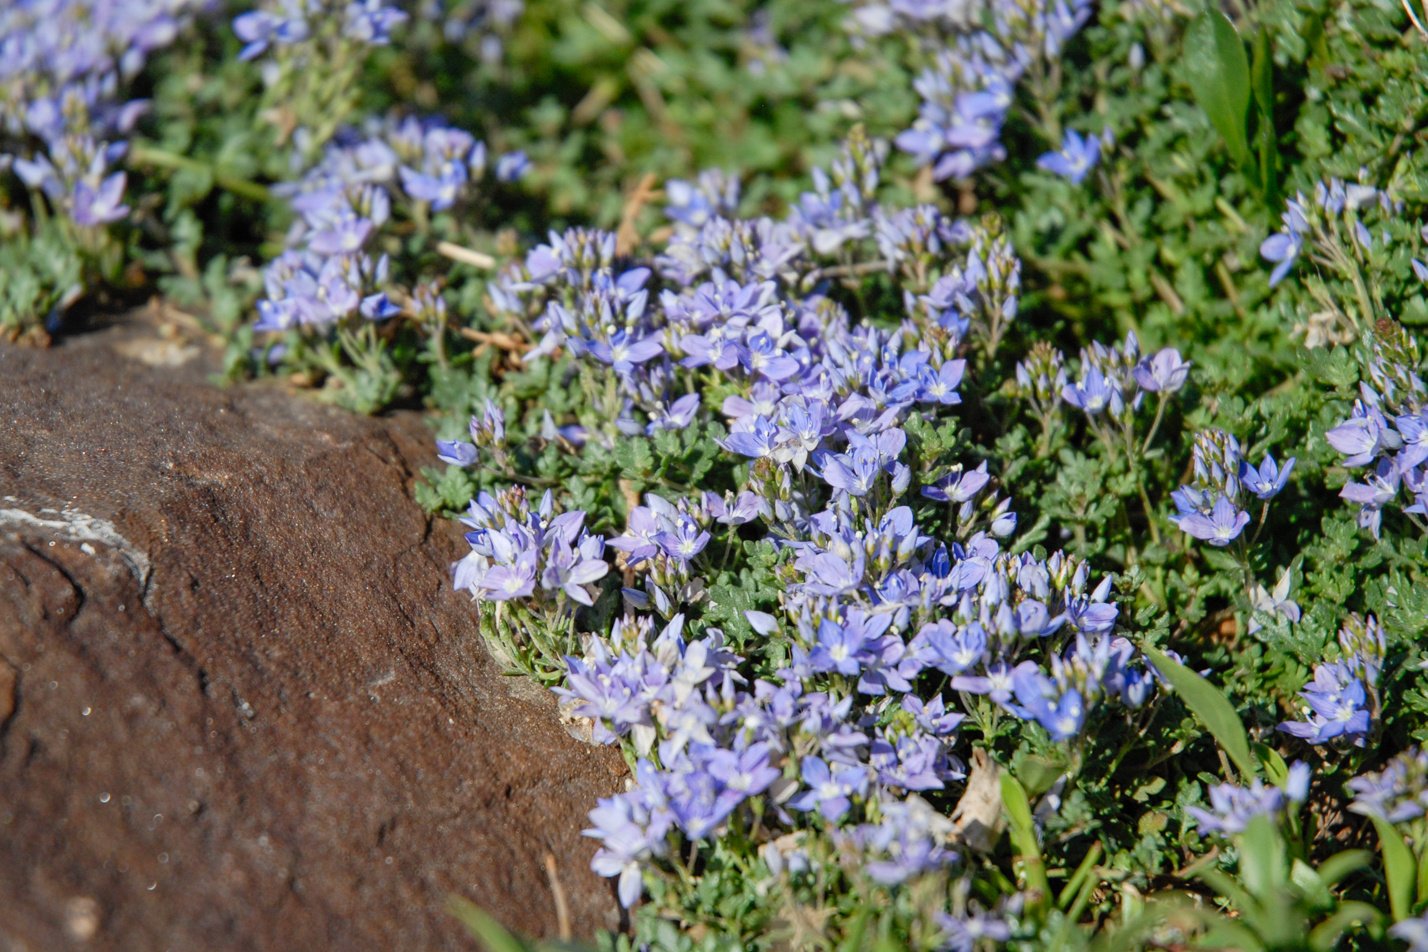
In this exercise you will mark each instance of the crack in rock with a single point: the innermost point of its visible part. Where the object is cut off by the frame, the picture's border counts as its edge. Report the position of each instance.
(71, 525)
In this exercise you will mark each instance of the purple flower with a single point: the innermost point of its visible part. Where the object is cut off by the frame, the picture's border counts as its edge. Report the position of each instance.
(1363, 436)
(1078, 155)
(907, 841)
(958, 486)
(1094, 393)
(940, 386)
(624, 353)
(102, 205)
(830, 790)
(1284, 247)
(1221, 526)
(746, 770)
(1398, 793)
(569, 569)
(684, 542)
(512, 167)
(1338, 707)
(1233, 807)
(506, 582)
(1166, 372)
(456, 452)
(1038, 698)
(677, 416)
(757, 438)
(1266, 480)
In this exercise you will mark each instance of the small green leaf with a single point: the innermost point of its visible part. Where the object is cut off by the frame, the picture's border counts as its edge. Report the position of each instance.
(1262, 73)
(486, 929)
(1262, 858)
(1398, 868)
(1022, 830)
(1217, 71)
(1210, 706)
(1341, 864)
(1276, 771)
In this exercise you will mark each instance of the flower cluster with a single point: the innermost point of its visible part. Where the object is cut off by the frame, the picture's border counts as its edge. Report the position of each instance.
(64, 117)
(1398, 793)
(1212, 506)
(1335, 207)
(976, 61)
(478, 24)
(1387, 434)
(1233, 807)
(364, 178)
(1342, 698)
(519, 552)
(284, 24)
(845, 728)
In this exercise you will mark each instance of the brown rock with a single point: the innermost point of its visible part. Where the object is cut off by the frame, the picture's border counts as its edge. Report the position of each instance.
(240, 705)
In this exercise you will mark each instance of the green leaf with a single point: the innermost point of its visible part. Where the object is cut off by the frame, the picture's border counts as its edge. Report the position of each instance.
(1210, 706)
(1022, 830)
(1263, 83)
(1326, 934)
(1217, 71)
(1262, 858)
(1341, 864)
(1398, 868)
(487, 930)
(1276, 771)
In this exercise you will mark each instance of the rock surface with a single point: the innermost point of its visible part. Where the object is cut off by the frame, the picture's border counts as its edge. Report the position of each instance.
(240, 705)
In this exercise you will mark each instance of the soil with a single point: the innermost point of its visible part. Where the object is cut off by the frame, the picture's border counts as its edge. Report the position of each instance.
(241, 706)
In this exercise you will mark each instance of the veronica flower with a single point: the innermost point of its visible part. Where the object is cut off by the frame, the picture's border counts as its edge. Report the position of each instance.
(506, 582)
(1276, 602)
(959, 486)
(1221, 526)
(1077, 156)
(1412, 932)
(1338, 707)
(677, 416)
(1094, 393)
(1284, 247)
(100, 205)
(684, 542)
(456, 452)
(1398, 793)
(1233, 807)
(830, 789)
(1363, 436)
(839, 648)
(1266, 480)
(1038, 698)
(1166, 372)
(758, 438)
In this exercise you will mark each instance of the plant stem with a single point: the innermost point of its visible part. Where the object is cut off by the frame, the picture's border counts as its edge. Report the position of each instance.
(143, 154)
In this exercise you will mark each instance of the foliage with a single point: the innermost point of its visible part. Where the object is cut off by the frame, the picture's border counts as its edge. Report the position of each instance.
(972, 462)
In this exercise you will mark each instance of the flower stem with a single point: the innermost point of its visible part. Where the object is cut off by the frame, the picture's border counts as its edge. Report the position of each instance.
(147, 155)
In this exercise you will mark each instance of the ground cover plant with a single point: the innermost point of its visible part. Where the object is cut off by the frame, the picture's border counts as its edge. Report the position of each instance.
(972, 461)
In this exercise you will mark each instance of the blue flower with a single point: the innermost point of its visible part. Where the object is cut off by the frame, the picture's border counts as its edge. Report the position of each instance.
(1221, 526)
(1166, 372)
(1284, 246)
(830, 789)
(1233, 807)
(1338, 707)
(1266, 480)
(1077, 157)
(456, 452)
